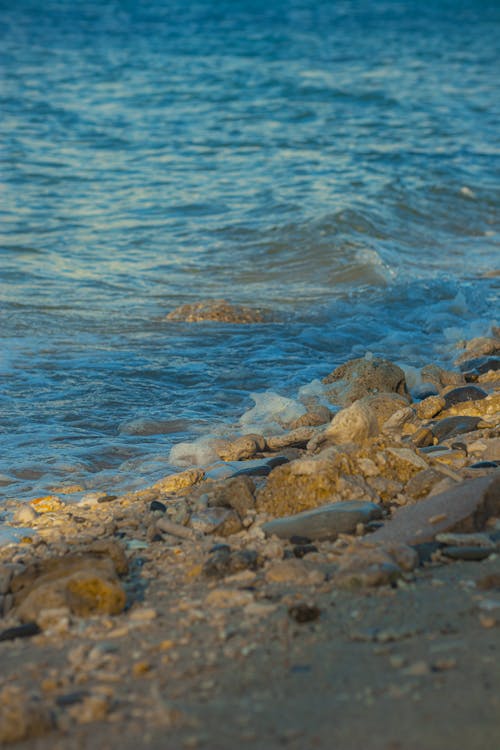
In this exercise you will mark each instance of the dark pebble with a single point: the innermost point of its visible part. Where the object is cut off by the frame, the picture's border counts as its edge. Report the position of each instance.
(484, 465)
(304, 612)
(467, 553)
(480, 365)
(450, 426)
(69, 699)
(27, 630)
(300, 540)
(107, 499)
(464, 393)
(262, 470)
(301, 550)
(426, 550)
(156, 505)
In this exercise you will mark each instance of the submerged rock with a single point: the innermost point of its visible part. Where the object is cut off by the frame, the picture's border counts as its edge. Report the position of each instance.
(220, 311)
(326, 522)
(362, 377)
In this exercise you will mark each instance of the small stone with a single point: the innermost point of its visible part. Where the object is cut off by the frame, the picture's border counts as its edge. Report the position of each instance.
(221, 521)
(228, 598)
(236, 492)
(181, 481)
(242, 448)
(157, 505)
(25, 515)
(467, 553)
(463, 393)
(296, 438)
(466, 540)
(294, 571)
(417, 669)
(304, 612)
(430, 406)
(27, 630)
(47, 504)
(450, 426)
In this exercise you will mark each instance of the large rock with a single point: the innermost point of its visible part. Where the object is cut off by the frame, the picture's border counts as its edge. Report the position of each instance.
(326, 522)
(302, 484)
(464, 508)
(236, 492)
(363, 377)
(355, 424)
(86, 583)
(220, 311)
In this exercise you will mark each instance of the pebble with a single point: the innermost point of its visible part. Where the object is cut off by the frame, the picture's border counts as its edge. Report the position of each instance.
(467, 553)
(450, 426)
(463, 393)
(25, 514)
(325, 522)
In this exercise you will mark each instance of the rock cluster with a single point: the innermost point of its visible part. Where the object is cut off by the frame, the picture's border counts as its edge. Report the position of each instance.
(385, 491)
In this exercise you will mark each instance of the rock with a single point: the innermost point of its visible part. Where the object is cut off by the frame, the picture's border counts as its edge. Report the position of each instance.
(228, 598)
(27, 630)
(479, 366)
(223, 561)
(467, 553)
(302, 484)
(430, 406)
(384, 405)
(221, 521)
(47, 504)
(482, 346)
(157, 505)
(399, 420)
(175, 529)
(261, 468)
(296, 438)
(242, 448)
(422, 483)
(466, 540)
(85, 583)
(220, 311)
(362, 377)
(5, 579)
(464, 507)
(320, 415)
(463, 393)
(326, 522)
(25, 515)
(304, 612)
(368, 564)
(440, 377)
(357, 423)
(294, 570)
(22, 716)
(448, 427)
(176, 482)
(487, 448)
(483, 407)
(236, 493)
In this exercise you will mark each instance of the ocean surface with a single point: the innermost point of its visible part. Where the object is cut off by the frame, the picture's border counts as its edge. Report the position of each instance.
(333, 161)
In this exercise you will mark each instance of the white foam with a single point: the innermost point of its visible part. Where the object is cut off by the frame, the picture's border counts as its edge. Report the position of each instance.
(271, 409)
(197, 453)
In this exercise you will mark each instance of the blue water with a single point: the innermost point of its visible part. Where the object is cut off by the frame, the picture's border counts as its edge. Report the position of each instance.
(336, 162)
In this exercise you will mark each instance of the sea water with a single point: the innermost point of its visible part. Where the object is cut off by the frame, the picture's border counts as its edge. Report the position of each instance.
(331, 160)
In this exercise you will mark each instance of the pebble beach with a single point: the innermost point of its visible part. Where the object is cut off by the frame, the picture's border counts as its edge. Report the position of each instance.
(336, 582)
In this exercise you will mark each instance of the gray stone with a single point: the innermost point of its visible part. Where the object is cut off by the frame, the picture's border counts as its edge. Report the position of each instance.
(464, 507)
(467, 553)
(451, 426)
(463, 393)
(325, 522)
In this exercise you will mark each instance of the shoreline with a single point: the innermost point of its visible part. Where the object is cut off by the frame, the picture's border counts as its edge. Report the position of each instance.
(349, 564)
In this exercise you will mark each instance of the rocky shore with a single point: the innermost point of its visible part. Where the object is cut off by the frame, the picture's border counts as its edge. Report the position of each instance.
(336, 583)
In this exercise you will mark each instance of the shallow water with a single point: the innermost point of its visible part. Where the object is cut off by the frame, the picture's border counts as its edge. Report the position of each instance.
(333, 161)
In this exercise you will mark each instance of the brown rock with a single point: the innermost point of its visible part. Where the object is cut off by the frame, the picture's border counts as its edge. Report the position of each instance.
(86, 584)
(22, 716)
(368, 564)
(362, 377)
(219, 310)
(385, 405)
(465, 507)
(318, 416)
(302, 484)
(294, 571)
(236, 493)
(355, 424)
(176, 482)
(430, 406)
(297, 438)
(242, 448)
